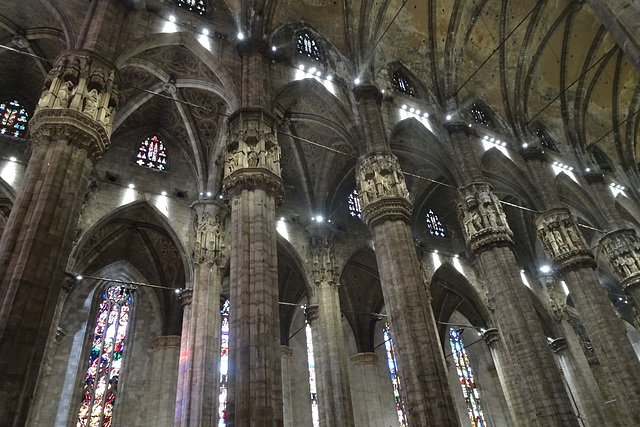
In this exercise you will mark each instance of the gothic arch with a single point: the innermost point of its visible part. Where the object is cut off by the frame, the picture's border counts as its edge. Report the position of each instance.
(579, 200)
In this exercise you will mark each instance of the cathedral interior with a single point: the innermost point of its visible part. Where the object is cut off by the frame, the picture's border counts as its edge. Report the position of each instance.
(354, 213)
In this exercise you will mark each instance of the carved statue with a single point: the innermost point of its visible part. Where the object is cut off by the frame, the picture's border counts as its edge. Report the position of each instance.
(64, 94)
(91, 103)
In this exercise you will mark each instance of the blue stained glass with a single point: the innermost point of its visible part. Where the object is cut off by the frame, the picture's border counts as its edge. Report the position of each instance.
(467, 382)
(354, 204)
(395, 379)
(13, 119)
(198, 6)
(224, 365)
(152, 154)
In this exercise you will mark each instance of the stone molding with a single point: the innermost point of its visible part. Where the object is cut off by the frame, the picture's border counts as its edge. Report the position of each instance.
(312, 313)
(366, 91)
(533, 153)
(366, 358)
(558, 344)
(491, 335)
(73, 126)
(164, 341)
(562, 241)
(483, 220)
(286, 352)
(457, 126)
(382, 189)
(622, 249)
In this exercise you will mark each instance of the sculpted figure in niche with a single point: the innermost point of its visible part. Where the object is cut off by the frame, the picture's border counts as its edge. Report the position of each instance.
(558, 237)
(252, 157)
(64, 94)
(91, 103)
(467, 221)
(476, 220)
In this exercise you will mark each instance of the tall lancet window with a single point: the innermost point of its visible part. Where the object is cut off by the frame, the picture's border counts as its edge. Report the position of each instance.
(402, 84)
(354, 204)
(434, 225)
(224, 365)
(152, 154)
(13, 119)
(467, 382)
(315, 416)
(479, 116)
(395, 380)
(105, 361)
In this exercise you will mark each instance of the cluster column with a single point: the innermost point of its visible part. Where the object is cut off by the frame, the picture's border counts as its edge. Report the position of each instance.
(527, 370)
(387, 212)
(334, 392)
(200, 356)
(253, 186)
(69, 133)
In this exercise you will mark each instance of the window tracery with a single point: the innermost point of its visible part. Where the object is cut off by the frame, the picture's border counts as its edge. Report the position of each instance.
(467, 382)
(355, 209)
(306, 44)
(402, 84)
(13, 119)
(105, 360)
(434, 225)
(479, 116)
(152, 154)
(545, 140)
(197, 6)
(395, 380)
(224, 365)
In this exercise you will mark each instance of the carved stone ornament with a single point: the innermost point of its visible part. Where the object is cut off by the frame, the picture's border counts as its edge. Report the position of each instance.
(209, 242)
(312, 313)
(186, 296)
(622, 249)
(322, 255)
(165, 341)
(252, 155)
(562, 241)
(365, 358)
(82, 82)
(382, 189)
(483, 220)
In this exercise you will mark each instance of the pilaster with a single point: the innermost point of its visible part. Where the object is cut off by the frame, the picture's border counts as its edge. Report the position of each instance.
(574, 262)
(334, 391)
(69, 133)
(387, 211)
(253, 187)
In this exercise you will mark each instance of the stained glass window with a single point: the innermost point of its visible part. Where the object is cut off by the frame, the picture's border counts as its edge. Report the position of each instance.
(152, 154)
(479, 116)
(468, 384)
(402, 84)
(224, 365)
(395, 380)
(307, 45)
(434, 225)
(13, 119)
(354, 204)
(105, 361)
(198, 6)
(315, 417)
(545, 139)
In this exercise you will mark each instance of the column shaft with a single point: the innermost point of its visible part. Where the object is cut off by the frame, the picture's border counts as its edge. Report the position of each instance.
(164, 364)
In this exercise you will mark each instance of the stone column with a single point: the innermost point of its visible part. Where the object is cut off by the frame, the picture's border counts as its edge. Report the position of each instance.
(387, 212)
(286, 353)
(201, 378)
(535, 393)
(253, 186)
(166, 352)
(69, 133)
(334, 393)
(572, 260)
(183, 395)
(366, 389)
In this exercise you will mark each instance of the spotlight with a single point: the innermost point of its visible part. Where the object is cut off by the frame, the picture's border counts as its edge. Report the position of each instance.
(177, 291)
(273, 48)
(208, 193)
(587, 170)
(411, 110)
(318, 73)
(78, 277)
(448, 117)
(312, 70)
(357, 81)
(382, 91)
(404, 106)
(301, 67)
(329, 77)
(545, 269)
(240, 36)
(132, 186)
(172, 18)
(525, 145)
(425, 115)
(319, 219)
(13, 159)
(205, 32)
(164, 193)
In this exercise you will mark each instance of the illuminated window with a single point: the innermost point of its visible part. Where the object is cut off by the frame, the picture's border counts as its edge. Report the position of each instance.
(105, 361)
(193, 5)
(402, 84)
(224, 364)
(152, 154)
(468, 384)
(354, 204)
(434, 225)
(307, 45)
(13, 119)
(312, 379)
(545, 139)
(479, 116)
(395, 380)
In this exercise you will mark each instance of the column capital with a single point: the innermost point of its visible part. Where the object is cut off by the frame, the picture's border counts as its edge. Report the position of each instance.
(366, 91)
(286, 352)
(457, 127)
(622, 249)
(367, 358)
(252, 155)
(382, 189)
(594, 177)
(186, 296)
(557, 344)
(533, 152)
(491, 335)
(311, 313)
(209, 236)
(484, 222)
(164, 341)
(562, 241)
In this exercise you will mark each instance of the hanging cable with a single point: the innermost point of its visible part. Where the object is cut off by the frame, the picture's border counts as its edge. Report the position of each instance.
(404, 2)
(608, 133)
(127, 282)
